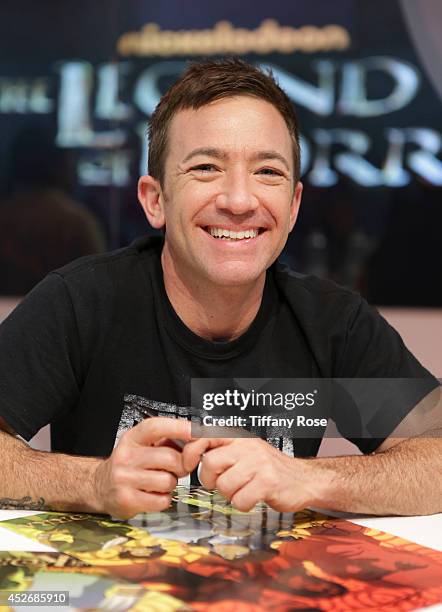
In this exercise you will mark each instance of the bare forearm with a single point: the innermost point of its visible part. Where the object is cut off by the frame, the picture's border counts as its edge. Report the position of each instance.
(404, 480)
(39, 480)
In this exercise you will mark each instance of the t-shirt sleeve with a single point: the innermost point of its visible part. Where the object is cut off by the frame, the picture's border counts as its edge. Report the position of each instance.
(39, 359)
(379, 381)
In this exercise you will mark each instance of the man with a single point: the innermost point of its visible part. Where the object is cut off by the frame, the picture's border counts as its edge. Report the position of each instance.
(108, 339)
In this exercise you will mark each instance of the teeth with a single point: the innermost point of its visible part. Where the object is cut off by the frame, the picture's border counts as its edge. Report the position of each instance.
(218, 232)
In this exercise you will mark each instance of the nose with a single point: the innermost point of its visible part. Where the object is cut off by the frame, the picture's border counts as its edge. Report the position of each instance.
(236, 196)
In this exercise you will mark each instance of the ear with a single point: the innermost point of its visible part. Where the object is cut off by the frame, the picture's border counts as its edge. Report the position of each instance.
(296, 203)
(150, 196)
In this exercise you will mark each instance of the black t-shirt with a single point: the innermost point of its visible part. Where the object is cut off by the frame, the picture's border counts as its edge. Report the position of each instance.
(98, 341)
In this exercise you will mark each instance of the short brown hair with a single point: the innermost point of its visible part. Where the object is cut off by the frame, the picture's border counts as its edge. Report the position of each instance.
(206, 81)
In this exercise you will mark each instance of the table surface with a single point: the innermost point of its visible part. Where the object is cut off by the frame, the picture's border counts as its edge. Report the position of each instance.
(424, 530)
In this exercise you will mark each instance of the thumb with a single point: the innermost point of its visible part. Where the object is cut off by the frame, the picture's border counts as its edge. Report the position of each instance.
(153, 429)
(193, 451)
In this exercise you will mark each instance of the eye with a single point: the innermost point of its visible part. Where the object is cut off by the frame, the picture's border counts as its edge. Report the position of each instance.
(204, 168)
(270, 172)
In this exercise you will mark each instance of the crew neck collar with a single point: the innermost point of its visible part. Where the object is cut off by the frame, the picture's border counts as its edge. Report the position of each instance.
(192, 342)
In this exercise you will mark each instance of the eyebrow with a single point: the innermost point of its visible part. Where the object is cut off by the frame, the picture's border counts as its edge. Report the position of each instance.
(220, 154)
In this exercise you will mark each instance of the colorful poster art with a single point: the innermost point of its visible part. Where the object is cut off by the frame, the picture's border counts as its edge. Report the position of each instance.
(88, 588)
(204, 555)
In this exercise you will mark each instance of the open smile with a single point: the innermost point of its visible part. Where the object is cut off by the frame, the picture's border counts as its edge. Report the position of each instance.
(222, 233)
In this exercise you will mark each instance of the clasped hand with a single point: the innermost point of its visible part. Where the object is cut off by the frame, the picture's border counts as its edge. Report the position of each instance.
(144, 468)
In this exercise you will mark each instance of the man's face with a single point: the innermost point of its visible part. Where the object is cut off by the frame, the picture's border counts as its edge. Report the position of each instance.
(229, 199)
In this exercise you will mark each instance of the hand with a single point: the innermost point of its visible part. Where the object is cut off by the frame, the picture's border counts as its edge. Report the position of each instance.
(249, 470)
(143, 468)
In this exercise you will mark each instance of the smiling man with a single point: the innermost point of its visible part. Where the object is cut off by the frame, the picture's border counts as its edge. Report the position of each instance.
(108, 340)
(229, 199)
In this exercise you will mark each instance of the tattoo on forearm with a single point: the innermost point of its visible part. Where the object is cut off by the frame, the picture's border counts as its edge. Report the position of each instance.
(24, 503)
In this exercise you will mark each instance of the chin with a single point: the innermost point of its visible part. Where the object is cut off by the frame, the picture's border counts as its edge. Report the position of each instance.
(234, 275)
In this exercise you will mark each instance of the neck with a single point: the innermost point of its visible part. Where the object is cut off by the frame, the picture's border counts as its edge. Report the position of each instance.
(212, 312)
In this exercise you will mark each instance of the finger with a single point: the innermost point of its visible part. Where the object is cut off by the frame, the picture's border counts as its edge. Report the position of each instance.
(213, 463)
(192, 452)
(153, 429)
(247, 497)
(135, 501)
(159, 458)
(176, 444)
(235, 478)
(152, 481)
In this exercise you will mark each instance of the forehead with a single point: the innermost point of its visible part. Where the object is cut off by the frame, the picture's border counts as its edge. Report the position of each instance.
(235, 124)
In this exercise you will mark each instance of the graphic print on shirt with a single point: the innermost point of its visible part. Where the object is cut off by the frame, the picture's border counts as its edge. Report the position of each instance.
(136, 408)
